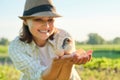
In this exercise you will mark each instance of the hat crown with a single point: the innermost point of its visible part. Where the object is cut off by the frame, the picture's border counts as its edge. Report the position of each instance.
(34, 3)
(43, 8)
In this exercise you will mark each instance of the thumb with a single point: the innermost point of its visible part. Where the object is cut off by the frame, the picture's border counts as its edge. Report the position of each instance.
(66, 57)
(55, 58)
(89, 52)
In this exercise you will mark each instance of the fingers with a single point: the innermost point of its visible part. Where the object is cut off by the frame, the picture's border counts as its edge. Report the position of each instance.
(66, 57)
(75, 58)
(63, 59)
(85, 59)
(55, 58)
(82, 59)
(90, 56)
(89, 52)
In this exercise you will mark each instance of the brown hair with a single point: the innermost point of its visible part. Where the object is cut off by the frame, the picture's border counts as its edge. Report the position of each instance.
(26, 36)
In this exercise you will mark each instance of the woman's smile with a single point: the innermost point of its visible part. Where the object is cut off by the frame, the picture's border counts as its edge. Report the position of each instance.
(44, 31)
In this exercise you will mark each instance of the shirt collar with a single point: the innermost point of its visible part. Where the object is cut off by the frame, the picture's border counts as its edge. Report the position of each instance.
(33, 44)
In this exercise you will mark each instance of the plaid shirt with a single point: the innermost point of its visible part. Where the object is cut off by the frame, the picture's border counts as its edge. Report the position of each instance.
(28, 59)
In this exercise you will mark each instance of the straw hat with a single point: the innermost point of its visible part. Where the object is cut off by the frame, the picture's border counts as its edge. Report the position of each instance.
(43, 8)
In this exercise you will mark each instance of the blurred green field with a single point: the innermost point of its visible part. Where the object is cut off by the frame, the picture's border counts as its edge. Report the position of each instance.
(8, 72)
(108, 47)
(96, 69)
(108, 51)
(105, 64)
(3, 49)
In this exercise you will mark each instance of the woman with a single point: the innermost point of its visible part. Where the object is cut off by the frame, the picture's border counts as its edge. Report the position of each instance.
(38, 52)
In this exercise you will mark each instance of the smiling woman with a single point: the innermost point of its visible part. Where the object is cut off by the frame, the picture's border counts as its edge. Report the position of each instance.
(40, 51)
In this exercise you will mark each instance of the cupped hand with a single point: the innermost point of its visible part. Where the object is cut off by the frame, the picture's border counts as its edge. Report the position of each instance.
(78, 57)
(81, 56)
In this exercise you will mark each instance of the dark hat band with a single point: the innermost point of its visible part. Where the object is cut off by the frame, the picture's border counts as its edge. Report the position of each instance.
(37, 9)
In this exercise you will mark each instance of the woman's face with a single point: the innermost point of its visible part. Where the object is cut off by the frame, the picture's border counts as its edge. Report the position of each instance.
(41, 27)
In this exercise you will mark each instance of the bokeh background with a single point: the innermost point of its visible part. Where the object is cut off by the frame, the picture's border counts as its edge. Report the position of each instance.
(94, 24)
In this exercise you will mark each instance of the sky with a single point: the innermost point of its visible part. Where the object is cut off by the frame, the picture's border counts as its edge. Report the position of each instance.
(80, 17)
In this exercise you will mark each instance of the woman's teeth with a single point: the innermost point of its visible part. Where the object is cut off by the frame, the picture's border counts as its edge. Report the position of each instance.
(44, 31)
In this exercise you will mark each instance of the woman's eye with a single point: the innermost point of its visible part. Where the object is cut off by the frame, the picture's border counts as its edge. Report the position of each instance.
(50, 20)
(37, 19)
(42, 21)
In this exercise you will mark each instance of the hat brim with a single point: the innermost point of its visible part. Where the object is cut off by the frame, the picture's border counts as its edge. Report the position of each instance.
(42, 14)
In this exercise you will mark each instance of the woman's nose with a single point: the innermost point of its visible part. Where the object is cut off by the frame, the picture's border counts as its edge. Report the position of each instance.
(46, 24)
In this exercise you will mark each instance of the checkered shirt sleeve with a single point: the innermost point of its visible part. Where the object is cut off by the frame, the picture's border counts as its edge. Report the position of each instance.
(31, 69)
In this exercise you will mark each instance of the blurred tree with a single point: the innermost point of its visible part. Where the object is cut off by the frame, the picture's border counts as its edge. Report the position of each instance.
(116, 40)
(4, 41)
(94, 38)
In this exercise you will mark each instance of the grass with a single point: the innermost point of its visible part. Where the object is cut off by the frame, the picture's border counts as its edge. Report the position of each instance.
(8, 72)
(3, 49)
(100, 47)
(107, 54)
(87, 74)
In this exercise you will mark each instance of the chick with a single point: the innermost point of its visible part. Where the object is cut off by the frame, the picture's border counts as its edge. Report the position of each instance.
(67, 46)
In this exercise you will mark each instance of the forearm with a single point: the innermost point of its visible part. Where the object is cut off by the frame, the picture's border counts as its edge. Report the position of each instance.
(65, 71)
(52, 71)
